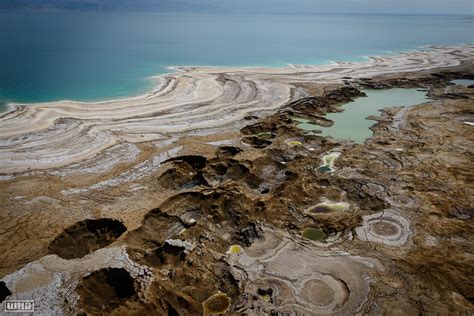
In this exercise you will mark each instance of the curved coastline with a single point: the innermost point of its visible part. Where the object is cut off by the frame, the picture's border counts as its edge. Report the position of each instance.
(189, 100)
(159, 78)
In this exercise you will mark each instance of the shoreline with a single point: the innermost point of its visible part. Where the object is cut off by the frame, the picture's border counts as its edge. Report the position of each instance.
(192, 100)
(182, 68)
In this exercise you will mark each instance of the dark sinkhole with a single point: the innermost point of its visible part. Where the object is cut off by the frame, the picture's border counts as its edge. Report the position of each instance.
(85, 237)
(4, 291)
(105, 289)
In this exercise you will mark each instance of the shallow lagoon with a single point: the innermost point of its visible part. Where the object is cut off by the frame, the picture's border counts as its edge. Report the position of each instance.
(315, 234)
(464, 82)
(352, 123)
(306, 125)
(328, 162)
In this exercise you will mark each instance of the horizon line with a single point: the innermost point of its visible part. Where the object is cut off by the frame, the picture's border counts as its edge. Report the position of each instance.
(237, 12)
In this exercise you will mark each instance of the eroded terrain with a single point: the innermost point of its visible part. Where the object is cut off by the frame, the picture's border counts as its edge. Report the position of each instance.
(262, 217)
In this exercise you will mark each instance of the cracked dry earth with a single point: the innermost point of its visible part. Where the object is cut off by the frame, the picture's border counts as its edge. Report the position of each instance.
(218, 228)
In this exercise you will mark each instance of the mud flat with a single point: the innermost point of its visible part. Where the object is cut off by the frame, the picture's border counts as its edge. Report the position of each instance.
(205, 196)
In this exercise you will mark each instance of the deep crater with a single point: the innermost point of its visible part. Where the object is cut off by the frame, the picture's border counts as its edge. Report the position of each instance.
(85, 237)
(4, 291)
(105, 289)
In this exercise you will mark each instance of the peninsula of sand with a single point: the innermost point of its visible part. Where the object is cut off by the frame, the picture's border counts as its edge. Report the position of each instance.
(193, 101)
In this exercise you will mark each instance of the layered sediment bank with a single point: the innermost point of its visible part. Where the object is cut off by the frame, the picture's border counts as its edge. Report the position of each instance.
(198, 198)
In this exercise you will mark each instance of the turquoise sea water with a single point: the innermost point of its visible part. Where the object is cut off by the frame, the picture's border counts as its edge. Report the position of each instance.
(46, 56)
